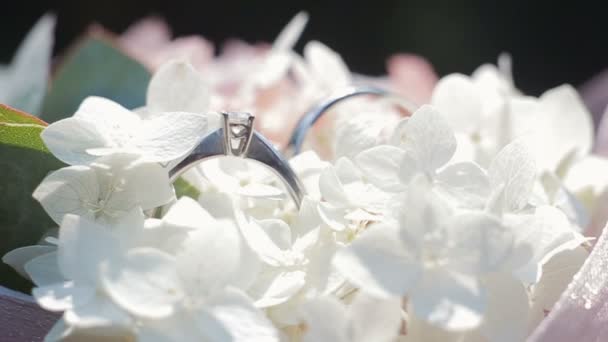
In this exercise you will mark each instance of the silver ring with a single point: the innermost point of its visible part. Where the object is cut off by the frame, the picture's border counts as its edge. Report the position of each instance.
(238, 138)
(310, 118)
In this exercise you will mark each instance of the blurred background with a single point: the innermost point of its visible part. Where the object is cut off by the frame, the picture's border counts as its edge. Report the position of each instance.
(551, 43)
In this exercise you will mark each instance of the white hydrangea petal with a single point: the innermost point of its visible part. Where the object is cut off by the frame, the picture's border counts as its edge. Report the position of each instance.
(169, 136)
(506, 319)
(17, 258)
(430, 138)
(374, 319)
(99, 313)
(331, 188)
(426, 212)
(449, 301)
(151, 185)
(514, 171)
(569, 123)
(458, 96)
(480, 244)
(44, 269)
(212, 258)
(466, 183)
(181, 326)
(557, 273)
(263, 243)
(326, 319)
(419, 330)
(409, 168)
(347, 171)
(177, 87)
(241, 318)
(326, 65)
(144, 283)
(278, 231)
(66, 190)
(381, 165)
(186, 214)
(107, 115)
(274, 287)
(62, 296)
(83, 246)
(378, 263)
(333, 217)
(290, 34)
(259, 190)
(70, 139)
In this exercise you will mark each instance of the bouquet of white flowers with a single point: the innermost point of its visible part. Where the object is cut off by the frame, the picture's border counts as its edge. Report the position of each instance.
(461, 216)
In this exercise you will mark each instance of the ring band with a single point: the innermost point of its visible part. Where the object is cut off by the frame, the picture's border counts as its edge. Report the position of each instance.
(238, 138)
(310, 118)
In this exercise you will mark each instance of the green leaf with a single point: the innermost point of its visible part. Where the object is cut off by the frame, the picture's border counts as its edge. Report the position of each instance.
(25, 162)
(183, 188)
(96, 68)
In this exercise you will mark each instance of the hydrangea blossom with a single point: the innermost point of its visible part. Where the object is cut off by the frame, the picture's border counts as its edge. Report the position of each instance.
(447, 225)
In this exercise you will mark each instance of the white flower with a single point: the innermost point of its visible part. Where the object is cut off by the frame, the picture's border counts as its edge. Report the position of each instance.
(347, 197)
(106, 190)
(365, 319)
(424, 144)
(23, 83)
(101, 127)
(434, 257)
(83, 248)
(286, 253)
(196, 294)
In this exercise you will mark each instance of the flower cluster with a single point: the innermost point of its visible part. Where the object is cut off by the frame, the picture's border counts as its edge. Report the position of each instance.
(462, 221)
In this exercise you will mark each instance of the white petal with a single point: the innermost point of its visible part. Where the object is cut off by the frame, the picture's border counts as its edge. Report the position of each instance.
(144, 283)
(449, 301)
(278, 231)
(506, 319)
(466, 183)
(44, 269)
(213, 258)
(374, 319)
(378, 263)
(62, 296)
(262, 243)
(332, 216)
(83, 246)
(291, 32)
(331, 188)
(326, 319)
(99, 313)
(31, 68)
(169, 136)
(66, 190)
(327, 66)
(187, 214)
(514, 170)
(178, 87)
(150, 182)
(69, 139)
(381, 165)
(259, 190)
(244, 322)
(557, 273)
(17, 258)
(569, 124)
(458, 97)
(275, 287)
(430, 138)
(479, 243)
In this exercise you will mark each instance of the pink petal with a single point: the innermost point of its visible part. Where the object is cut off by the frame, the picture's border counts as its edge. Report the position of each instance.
(412, 76)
